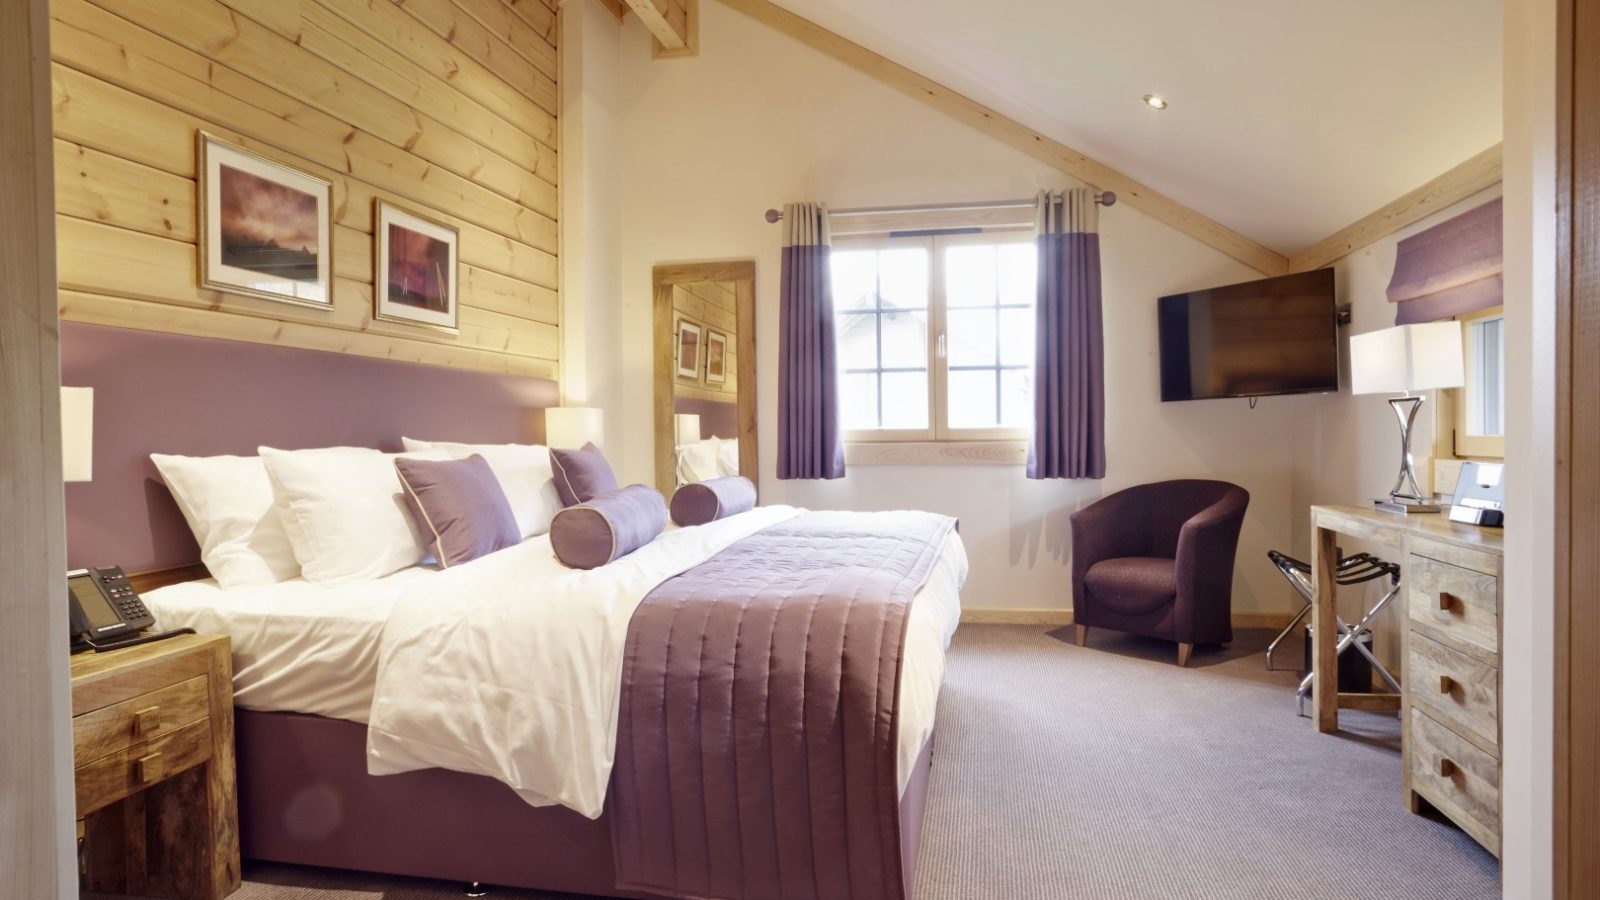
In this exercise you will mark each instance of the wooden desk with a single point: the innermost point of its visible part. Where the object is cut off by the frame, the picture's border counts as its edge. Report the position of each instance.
(152, 735)
(1450, 710)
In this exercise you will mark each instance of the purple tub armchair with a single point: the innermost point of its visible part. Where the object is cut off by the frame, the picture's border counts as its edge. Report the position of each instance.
(1157, 560)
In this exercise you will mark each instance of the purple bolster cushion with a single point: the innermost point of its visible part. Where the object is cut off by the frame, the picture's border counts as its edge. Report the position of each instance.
(459, 507)
(581, 475)
(715, 498)
(608, 527)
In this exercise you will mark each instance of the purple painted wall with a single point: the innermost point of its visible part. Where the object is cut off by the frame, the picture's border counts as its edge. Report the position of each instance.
(716, 419)
(167, 393)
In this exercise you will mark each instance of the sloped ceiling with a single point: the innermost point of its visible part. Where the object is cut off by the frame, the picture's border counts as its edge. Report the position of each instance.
(1289, 119)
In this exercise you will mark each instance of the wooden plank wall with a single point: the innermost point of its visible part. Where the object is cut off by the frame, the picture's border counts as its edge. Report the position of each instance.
(446, 107)
(709, 304)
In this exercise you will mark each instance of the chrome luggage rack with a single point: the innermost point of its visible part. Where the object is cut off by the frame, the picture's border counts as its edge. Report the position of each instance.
(1356, 569)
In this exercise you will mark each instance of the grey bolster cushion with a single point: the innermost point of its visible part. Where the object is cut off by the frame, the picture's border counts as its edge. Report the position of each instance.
(608, 527)
(715, 498)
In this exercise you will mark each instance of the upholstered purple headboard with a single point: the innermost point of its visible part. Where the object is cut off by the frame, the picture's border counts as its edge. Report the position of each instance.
(716, 419)
(166, 393)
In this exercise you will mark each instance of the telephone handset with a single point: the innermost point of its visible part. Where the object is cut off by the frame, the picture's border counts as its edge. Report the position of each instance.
(105, 612)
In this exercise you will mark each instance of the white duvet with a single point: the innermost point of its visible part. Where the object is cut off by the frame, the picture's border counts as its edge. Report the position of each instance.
(511, 666)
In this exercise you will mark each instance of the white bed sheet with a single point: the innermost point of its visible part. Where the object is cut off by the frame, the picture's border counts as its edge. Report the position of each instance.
(307, 648)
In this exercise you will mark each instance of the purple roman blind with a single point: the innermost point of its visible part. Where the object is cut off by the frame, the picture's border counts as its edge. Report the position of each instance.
(1069, 415)
(809, 441)
(1451, 269)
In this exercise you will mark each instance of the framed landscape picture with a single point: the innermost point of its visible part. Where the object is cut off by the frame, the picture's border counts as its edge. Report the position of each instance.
(716, 357)
(688, 349)
(415, 275)
(265, 229)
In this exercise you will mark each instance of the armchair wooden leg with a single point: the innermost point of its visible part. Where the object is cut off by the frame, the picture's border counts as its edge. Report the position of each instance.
(1083, 635)
(1183, 653)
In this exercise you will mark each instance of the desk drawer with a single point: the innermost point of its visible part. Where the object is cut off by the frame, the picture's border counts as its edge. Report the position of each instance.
(1460, 605)
(1458, 778)
(109, 779)
(1456, 688)
(137, 720)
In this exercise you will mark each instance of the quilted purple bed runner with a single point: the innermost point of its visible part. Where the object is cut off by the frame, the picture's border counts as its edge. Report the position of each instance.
(756, 744)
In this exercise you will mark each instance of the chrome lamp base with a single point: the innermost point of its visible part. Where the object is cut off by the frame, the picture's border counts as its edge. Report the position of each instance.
(1406, 495)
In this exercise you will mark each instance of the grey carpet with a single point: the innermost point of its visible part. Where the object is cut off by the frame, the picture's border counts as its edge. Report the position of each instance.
(1107, 772)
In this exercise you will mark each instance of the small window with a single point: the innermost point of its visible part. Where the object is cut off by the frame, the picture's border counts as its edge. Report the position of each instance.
(935, 336)
(1481, 401)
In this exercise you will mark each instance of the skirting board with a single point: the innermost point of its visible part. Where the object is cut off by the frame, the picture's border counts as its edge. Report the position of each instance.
(986, 616)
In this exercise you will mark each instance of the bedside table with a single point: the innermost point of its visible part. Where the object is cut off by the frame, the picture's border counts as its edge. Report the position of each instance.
(152, 740)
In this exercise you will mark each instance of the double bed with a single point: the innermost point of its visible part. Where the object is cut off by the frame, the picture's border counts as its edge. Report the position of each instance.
(515, 722)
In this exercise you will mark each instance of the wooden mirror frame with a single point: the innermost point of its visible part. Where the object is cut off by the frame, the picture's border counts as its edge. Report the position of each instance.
(742, 274)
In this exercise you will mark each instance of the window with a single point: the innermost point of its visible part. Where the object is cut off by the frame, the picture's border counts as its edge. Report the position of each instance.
(935, 336)
(1480, 404)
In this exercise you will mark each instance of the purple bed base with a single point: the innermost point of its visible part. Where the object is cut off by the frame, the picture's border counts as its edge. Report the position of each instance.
(305, 797)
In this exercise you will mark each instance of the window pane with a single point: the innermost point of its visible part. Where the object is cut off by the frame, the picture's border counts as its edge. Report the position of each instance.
(857, 340)
(1018, 273)
(903, 277)
(858, 400)
(1486, 388)
(972, 400)
(855, 279)
(905, 340)
(905, 400)
(971, 337)
(969, 276)
(1016, 398)
(1016, 337)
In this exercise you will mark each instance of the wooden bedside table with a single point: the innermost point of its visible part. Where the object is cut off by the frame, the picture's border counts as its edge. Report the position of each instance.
(152, 736)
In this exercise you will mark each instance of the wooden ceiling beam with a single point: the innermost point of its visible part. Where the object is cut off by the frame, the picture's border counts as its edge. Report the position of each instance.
(1013, 133)
(670, 22)
(1476, 174)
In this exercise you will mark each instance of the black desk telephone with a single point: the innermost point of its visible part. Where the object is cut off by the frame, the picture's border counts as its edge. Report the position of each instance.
(104, 613)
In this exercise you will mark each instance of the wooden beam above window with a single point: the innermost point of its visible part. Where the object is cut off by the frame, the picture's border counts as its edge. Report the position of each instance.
(1013, 133)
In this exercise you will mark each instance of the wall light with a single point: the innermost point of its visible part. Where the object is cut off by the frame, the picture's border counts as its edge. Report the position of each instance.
(1155, 101)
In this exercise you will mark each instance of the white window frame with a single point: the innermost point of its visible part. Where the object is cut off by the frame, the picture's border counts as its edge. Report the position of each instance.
(939, 433)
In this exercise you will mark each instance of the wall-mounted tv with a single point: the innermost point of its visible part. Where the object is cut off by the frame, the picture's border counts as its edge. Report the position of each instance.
(1274, 336)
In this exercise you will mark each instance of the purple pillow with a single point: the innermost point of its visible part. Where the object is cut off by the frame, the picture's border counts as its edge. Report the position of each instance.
(609, 527)
(581, 475)
(712, 499)
(459, 507)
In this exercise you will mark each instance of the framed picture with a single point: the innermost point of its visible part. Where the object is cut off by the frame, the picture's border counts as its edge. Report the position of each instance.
(716, 357)
(265, 229)
(688, 349)
(415, 276)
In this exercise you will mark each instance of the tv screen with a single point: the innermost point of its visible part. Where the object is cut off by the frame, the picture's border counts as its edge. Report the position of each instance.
(1274, 336)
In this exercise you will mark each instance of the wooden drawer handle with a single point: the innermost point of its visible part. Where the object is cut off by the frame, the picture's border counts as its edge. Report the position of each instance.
(1446, 684)
(1446, 767)
(1447, 600)
(147, 721)
(147, 769)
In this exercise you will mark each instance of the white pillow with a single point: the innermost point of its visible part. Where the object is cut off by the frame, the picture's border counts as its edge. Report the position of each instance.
(698, 461)
(523, 471)
(728, 457)
(227, 501)
(344, 511)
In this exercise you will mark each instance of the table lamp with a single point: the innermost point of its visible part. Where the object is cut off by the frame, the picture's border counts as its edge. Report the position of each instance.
(686, 426)
(77, 434)
(1403, 359)
(570, 427)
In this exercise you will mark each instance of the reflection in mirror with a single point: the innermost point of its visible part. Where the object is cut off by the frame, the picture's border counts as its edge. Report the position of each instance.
(705, 381)
(1484, 395)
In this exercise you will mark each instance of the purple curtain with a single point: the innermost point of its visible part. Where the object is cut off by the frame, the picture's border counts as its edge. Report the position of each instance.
(809, 440)
(1069, 410)
(1451, 269)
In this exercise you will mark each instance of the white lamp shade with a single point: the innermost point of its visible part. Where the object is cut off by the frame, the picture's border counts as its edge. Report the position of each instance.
(687, 428)
(77, 433)
(570, 427)
(1407, 358)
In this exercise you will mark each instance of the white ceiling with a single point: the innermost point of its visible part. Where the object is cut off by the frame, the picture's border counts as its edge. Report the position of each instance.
(1289, 119)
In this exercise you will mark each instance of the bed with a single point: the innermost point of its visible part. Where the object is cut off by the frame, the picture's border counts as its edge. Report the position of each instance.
(329, 681)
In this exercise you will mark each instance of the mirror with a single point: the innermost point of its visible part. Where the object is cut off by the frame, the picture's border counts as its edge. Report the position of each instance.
(705, 403)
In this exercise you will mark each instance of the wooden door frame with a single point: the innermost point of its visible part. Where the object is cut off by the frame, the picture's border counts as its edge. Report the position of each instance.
(36, 838)
(1576, 801)
(743, 275)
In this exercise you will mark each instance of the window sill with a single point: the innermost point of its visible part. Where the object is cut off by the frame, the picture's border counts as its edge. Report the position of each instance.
(936, 453)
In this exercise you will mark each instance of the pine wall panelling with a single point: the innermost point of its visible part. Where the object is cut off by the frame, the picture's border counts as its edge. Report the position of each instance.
(446, 107)
(710, 304)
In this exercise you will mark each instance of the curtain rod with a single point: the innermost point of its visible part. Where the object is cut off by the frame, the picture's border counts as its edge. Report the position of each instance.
(1105, 198)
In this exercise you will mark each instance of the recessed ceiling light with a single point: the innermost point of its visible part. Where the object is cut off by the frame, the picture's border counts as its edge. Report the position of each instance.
(1155, 101)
